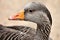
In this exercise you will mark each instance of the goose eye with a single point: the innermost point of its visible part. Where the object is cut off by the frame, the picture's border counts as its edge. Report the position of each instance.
(30, 11)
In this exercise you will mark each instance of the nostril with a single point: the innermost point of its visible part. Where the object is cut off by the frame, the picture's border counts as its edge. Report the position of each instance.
(16, 15)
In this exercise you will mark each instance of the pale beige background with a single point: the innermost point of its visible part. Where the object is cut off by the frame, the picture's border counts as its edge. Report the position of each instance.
(10, 7)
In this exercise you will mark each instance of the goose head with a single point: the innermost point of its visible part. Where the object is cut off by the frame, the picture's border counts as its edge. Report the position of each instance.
(37, 13)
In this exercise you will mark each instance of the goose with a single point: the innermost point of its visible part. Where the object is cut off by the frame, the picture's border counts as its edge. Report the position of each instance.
(33, 12)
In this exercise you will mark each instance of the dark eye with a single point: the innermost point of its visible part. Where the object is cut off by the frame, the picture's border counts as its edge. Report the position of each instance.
(30, 10)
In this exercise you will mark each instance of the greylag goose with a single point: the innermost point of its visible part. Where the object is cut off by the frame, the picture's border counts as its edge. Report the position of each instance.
(34, 12)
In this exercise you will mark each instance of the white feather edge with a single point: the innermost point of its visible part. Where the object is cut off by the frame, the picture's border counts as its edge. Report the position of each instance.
(21, 23)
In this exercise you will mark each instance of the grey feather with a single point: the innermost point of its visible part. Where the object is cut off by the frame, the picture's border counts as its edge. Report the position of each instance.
(34, 12)
(11, 34)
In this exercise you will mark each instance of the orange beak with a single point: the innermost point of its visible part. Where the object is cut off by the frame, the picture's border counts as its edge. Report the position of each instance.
(19, 15)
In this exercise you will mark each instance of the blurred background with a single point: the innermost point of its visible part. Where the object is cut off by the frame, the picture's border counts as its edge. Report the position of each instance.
(11, 7)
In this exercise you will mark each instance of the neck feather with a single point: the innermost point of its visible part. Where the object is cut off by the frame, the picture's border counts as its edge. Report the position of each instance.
(43, 31)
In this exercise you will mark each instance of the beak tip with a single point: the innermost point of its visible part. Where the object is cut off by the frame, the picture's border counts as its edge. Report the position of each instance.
(10, 18)
(19, 16)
